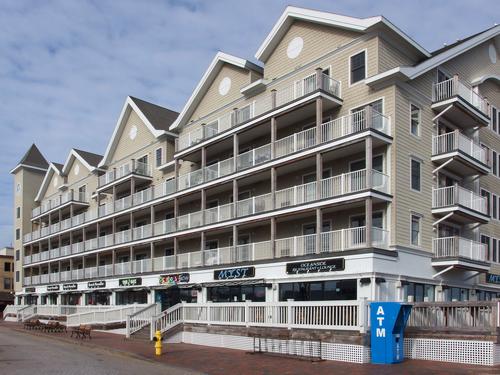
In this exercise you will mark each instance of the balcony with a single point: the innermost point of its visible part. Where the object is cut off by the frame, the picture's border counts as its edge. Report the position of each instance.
(273, 100)
(132, 169)
(338, 241)
(459, 103)
(461, 154)
(461, 253)
(465, 205)
(63, 200)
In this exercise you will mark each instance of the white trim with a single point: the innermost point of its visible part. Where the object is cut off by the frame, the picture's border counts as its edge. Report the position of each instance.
(481, 79)
(207, 78)
(365, 50)
(292, 13)
(410, 73)
(46, 180)
(14, 170)
(74, 154)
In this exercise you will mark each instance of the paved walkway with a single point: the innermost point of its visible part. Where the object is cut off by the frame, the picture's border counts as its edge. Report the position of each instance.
(217, 361)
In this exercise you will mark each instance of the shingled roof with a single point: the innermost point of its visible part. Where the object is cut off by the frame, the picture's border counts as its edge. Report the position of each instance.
(90, 157)
(32, 158)
(161, 118)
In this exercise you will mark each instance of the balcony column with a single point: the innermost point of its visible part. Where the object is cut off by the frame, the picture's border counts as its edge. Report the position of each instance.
(176, 173)
(39, 227)
(70, 268)
(152, 219)
(97, 263)
(71, 240)
(273, 137)
(368, 221)
(273, 186)
(202, 245)
(203, 204)
(176, 250)
(59, 238)
(235, 198)
(369, 161)
(235, 151)
(59, 269)
(84, 266)
(319, 228)
(319, 174)
(273, 99)
(113, 261)
(235, 242)
(131, 258)
(84, 237)
(203, 162)
(113, 228)
(176, 211)
(152, 254)
(60, 217)
(455, 84)
(132, 189)
(50, 220)
(131, 221)
(71, 213)
(319, 105)
(114, 197)
(273, 236)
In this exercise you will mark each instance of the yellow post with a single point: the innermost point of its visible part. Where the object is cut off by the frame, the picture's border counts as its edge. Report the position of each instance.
(157, 340)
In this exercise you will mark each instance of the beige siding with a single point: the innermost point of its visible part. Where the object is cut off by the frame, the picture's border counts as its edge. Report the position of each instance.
(53, 185)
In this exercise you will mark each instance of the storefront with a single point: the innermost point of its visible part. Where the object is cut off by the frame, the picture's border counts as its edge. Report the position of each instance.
(101, 296)
(71, 295)
(330, 290)
(49, 299)
(131, 291)
(237, 292)
(174, 289)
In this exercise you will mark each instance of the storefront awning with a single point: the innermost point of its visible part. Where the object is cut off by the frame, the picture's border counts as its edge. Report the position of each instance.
(234, 282)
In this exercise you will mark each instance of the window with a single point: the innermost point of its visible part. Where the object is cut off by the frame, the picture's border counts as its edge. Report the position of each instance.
(18, 234)
(159, 156)
(415, 230)
(6, 266)
(237, 293)
(414, 120)
(494, 206)
(358, 67)
(415, 175)
(18, 212)
(494, 250)
(319, 290)
(211, 244)
(17, 276)
(495, 163)
(82, 193)
(495, 120)
(7, 283)
(18, 254)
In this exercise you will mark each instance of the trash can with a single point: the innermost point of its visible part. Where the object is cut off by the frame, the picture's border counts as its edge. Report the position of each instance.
(388, 322)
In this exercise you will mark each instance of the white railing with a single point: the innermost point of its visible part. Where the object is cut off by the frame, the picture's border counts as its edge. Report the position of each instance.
(123, 203)
(123, 236)
(457, 195)
(105, 270)
(110, 314)
(78, 247)
(446, 247)
(27, 259)
(65, 275)
(106, 240)
(328, 315)
(164, 227)
(254, 157)
(259, 106)
(13, 309)
(142, 196)
(65, 250)
(123, 170)
(122, 268)
(59, 200)
(141, 266)
(456, 141)
(35, 257)
(164, 263)
(141, 318)
(91, 272)
(188, 260)
(143, 231)
(454, 87)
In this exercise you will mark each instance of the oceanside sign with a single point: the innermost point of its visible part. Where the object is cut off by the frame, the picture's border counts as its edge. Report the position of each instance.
(132, 281)
(492, 278)
(96, 284)
(174, 279)
(234, 273)
(328, 265)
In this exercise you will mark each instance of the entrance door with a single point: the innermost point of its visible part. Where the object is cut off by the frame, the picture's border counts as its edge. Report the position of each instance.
(168, 297)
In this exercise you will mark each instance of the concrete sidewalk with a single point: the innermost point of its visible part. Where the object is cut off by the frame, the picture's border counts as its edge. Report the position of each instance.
(216, 361)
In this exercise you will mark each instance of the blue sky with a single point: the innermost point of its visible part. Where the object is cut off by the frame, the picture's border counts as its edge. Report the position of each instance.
(67, 66)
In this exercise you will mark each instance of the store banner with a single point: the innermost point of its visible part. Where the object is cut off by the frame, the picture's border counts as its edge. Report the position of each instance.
(53, 288)
(174, 279)
(72, 286)
(131, 281)
(96, 284)
(328, 265)
(234, 273)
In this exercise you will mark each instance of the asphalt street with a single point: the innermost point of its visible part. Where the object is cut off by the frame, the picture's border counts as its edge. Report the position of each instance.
(22, 353)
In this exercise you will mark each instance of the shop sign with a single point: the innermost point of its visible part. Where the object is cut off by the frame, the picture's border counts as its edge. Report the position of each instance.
(234, 273)
(492, 278)
(96, 284)
(174, 279)
(133, 281)
(53, 288)
(72, 286)
(30, 290)
(329, 265)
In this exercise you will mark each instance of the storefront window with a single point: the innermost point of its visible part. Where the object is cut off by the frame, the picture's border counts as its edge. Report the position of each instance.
(319, 291)
(98, 298)
(418, 292)
(130, 297)
(174, 295)
(237, 293)
(71, 299)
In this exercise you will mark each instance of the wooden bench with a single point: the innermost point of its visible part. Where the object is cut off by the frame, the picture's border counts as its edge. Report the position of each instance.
(33, 324)
(82, 331)
(55, 326)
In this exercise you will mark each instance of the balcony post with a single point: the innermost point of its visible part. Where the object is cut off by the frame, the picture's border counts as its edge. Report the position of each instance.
(235, 152)
(152, 254)
(319, 119)
(235, 243)
(97, 264)
(235, 198)
(273, 98)
(319, 174)
(152, 219)
(176, 211)
(273, 137)
(273, 187)
(368, 221)
(369, 161)
(202, 246)
(132, 190)
(113, 261)
(455, 85)
(176, 248)
(176, 174)
(131, 257)
(319, 78)
(131, 225)
(204, 163)
(319, 228)
(50, 221)
(84, 238)
(84, 266)
(456, 134)
(273, 237)
(203, 193)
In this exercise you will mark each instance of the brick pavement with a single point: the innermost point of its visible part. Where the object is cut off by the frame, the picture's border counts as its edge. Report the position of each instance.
(216, 361)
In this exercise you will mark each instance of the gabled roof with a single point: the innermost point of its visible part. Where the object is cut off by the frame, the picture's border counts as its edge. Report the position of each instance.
(157, 119)
(215, 66)
(292, 14)
(438, 58)
(53, 168)
(33, 158)
(88, 159)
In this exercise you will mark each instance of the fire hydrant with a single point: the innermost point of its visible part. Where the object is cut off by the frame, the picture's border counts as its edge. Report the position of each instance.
(157, 340)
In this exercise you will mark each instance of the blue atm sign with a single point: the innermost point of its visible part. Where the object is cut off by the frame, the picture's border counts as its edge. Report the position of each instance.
(380, 328)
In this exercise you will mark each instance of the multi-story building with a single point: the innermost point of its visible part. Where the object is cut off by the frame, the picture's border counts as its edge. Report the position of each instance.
(6, 277)
(348, 163)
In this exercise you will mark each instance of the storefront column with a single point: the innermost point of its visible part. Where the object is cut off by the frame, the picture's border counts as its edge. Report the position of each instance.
(59, 301)
(113, 298)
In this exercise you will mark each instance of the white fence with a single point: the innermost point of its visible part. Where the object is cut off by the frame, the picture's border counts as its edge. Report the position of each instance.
(329, 315)
(141, 318)
(454, 87)
(456, 141)
(446, 247)
(457, 195)
(113, 314)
